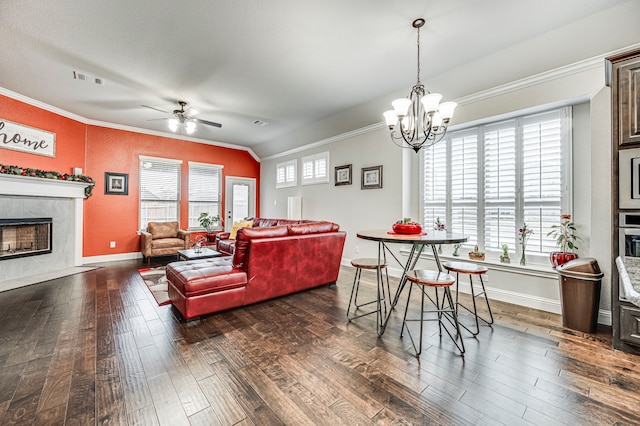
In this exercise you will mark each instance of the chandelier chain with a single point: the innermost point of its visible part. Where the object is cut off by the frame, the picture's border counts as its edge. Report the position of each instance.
(418, 55)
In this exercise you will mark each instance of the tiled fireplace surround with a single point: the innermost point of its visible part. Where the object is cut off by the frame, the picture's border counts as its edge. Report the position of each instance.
(25, 197)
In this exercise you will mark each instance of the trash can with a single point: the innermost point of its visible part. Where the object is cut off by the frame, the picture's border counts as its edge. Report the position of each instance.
(580, 282)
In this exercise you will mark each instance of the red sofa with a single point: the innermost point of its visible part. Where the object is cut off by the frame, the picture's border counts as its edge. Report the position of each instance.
(268, 262)
(226, 246)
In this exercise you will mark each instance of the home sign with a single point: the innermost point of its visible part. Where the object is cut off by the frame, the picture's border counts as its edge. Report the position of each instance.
(23, 138)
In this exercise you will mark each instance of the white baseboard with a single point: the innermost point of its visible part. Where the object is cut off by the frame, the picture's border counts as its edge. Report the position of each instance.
(516, 298)
(111, 258)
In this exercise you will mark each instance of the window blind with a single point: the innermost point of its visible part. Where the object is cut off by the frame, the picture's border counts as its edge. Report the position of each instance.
(159, 190)
(204, 191)
(315, 168)
(286, 174)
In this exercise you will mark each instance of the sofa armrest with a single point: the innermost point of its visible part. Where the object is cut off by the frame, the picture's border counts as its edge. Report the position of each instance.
(223, 236)
(186, 236)
(145, 243)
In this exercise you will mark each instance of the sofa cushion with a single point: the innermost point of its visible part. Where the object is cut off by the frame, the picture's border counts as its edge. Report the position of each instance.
(313, 228)
(247, 234)
(162, 243)
(238, 225)
(163, 229)
(203, 276)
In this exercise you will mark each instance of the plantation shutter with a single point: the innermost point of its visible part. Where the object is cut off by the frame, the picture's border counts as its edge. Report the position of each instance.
(542, 176)
(464, 186)
(435, 184)
(500, 185)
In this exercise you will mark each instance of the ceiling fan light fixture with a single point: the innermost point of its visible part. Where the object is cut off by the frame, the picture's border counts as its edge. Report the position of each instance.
(173, 124)
(190, 127)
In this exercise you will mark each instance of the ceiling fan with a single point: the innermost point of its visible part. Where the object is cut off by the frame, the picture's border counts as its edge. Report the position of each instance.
(183, 118)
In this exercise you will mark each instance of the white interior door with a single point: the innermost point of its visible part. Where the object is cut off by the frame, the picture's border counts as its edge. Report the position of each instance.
(240, 200)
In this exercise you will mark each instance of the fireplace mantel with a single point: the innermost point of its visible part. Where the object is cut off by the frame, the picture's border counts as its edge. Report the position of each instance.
(40, 187)
(24, 186)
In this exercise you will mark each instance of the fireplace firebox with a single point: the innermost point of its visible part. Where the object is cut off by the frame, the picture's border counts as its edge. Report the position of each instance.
(25, 237)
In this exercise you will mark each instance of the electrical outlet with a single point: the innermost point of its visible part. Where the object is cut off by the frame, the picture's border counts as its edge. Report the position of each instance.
(357, 249)
(112, 244)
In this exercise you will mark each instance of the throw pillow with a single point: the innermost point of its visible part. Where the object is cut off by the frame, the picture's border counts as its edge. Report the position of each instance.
(238, 225)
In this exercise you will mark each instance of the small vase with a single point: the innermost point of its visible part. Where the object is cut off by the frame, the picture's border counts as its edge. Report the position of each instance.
(523, 258)
(505, 259)
(439, 248)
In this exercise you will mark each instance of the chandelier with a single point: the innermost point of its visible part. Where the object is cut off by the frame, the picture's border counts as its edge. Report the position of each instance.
(419, 120)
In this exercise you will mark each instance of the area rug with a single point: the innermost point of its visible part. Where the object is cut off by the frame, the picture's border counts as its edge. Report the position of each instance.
(156, 281)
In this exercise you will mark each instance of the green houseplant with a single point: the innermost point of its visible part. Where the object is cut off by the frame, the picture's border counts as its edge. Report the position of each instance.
(209, 223)
(565, 236)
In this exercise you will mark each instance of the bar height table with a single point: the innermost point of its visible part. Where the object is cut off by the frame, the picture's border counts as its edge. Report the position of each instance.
(418, 243)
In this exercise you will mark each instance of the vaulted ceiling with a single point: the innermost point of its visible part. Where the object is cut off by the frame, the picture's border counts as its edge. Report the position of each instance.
(288, 63)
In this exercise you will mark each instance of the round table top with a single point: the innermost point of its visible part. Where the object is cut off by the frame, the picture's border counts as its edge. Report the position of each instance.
(432, 237)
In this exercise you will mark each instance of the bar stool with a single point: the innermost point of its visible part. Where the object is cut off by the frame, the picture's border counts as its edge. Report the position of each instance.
(471, 269)
(424, 279)
(381, 295)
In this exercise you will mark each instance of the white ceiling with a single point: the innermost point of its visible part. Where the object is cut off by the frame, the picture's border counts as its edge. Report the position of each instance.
(286, 62)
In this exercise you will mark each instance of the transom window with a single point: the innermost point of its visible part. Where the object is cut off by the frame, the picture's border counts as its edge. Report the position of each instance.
(287, 174)
(315, 168)
(487, 181)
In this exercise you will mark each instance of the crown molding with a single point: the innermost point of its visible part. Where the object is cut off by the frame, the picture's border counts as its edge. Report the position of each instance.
(89, 122)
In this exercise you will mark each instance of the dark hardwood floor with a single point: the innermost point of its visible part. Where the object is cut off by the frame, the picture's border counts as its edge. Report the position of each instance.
(94, 348)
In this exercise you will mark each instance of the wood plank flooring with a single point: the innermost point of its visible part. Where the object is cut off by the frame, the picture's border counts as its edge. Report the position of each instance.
(94, 348)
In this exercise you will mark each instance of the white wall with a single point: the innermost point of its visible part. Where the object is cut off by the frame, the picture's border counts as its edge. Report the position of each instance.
(355, 209)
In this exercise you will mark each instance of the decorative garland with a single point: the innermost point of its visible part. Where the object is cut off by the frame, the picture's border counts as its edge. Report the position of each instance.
(15, 170)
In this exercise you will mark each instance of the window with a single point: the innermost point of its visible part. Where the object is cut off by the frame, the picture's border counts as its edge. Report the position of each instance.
(204, 191)
(315, 168)
(486, 181)
(287, 174)
(159, 190)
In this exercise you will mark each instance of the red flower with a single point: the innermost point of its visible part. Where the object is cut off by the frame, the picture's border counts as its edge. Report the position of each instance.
(62, 177)
(33, 173)
(23, 173)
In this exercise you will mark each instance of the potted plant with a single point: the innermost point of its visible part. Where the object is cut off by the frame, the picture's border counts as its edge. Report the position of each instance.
(210, 223)
(476, 254)
(504, 258)
(565, 237)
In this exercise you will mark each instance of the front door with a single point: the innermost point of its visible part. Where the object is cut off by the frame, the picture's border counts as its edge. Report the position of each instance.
(240, 200)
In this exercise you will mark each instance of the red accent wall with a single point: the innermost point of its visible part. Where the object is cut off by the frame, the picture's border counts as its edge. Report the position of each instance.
(100, 149)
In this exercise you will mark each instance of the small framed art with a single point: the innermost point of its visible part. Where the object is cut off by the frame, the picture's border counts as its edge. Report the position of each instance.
(371, 177)
(116, 183)
(343, 175)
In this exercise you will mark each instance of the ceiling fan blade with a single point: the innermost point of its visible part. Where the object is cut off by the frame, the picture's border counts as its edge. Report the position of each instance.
(158, 119)
(208, 123)
(157, 109)
(191, 112)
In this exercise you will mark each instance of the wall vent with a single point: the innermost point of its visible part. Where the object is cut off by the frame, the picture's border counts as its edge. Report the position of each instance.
(81, 76)
(261, 123)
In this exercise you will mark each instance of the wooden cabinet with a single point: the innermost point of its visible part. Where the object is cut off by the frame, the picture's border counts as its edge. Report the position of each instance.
(630, 324)
(623, 75)
(629, 101)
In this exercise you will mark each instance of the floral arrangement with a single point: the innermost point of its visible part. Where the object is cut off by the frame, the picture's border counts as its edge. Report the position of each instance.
(439, 226)
(524, 234)
(20, 171)
(564, 234)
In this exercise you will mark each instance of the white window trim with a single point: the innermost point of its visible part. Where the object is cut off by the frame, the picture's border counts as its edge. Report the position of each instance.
(287, 183)
(566, 202)
(316, 179)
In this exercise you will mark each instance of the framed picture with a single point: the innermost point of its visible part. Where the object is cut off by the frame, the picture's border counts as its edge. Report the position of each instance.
(116, 183)
(371, 177)
(343, 175)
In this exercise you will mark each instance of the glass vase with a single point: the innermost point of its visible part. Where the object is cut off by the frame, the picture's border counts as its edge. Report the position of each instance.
(523, 258)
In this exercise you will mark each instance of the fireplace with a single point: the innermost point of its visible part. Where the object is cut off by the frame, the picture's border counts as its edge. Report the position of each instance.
(25, 237)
